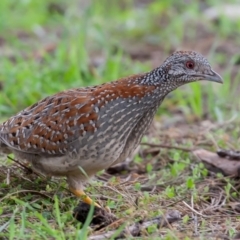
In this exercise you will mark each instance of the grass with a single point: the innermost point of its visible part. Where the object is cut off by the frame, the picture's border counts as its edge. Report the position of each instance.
(50, 46)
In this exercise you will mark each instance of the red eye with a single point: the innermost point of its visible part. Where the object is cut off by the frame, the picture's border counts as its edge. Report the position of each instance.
(190, 64)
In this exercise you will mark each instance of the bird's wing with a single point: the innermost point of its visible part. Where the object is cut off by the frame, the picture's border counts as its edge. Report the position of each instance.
(48, 126)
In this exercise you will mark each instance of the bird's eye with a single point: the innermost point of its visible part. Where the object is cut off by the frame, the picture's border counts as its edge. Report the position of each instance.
(190, 64)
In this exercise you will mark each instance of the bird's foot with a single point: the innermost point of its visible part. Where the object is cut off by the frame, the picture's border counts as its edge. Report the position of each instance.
(82, 195)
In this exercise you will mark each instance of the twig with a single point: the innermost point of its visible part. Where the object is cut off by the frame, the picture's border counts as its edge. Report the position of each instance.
(28, 169)
(25, 191)
(168, 146)
(193, 209)
(195, 218)
(8, 177)
(22, 165)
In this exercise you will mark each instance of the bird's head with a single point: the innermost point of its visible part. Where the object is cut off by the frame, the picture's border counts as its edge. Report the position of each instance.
(188, 66)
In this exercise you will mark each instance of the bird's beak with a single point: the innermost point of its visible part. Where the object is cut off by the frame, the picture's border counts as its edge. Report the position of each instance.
(213, 77)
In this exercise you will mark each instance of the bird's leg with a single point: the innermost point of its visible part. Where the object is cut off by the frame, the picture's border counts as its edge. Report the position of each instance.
(82, 195)
(75, 186)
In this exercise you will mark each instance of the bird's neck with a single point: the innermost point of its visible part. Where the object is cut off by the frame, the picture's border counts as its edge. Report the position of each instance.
(160, 78)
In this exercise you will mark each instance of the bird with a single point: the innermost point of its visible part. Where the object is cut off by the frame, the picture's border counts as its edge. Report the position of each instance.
(78, 132)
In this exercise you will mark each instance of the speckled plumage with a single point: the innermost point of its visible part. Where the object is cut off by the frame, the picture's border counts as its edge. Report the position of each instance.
(92, 128)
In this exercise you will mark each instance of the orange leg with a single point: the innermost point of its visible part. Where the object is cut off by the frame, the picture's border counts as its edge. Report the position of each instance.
(82, 195)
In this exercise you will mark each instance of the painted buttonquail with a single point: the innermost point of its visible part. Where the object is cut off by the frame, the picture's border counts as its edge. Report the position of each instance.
(79, 132)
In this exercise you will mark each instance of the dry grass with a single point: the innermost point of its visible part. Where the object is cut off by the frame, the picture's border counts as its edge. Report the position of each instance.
(160, 180)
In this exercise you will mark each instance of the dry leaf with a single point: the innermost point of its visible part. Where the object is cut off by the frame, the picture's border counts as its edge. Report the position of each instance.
(224, 165)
